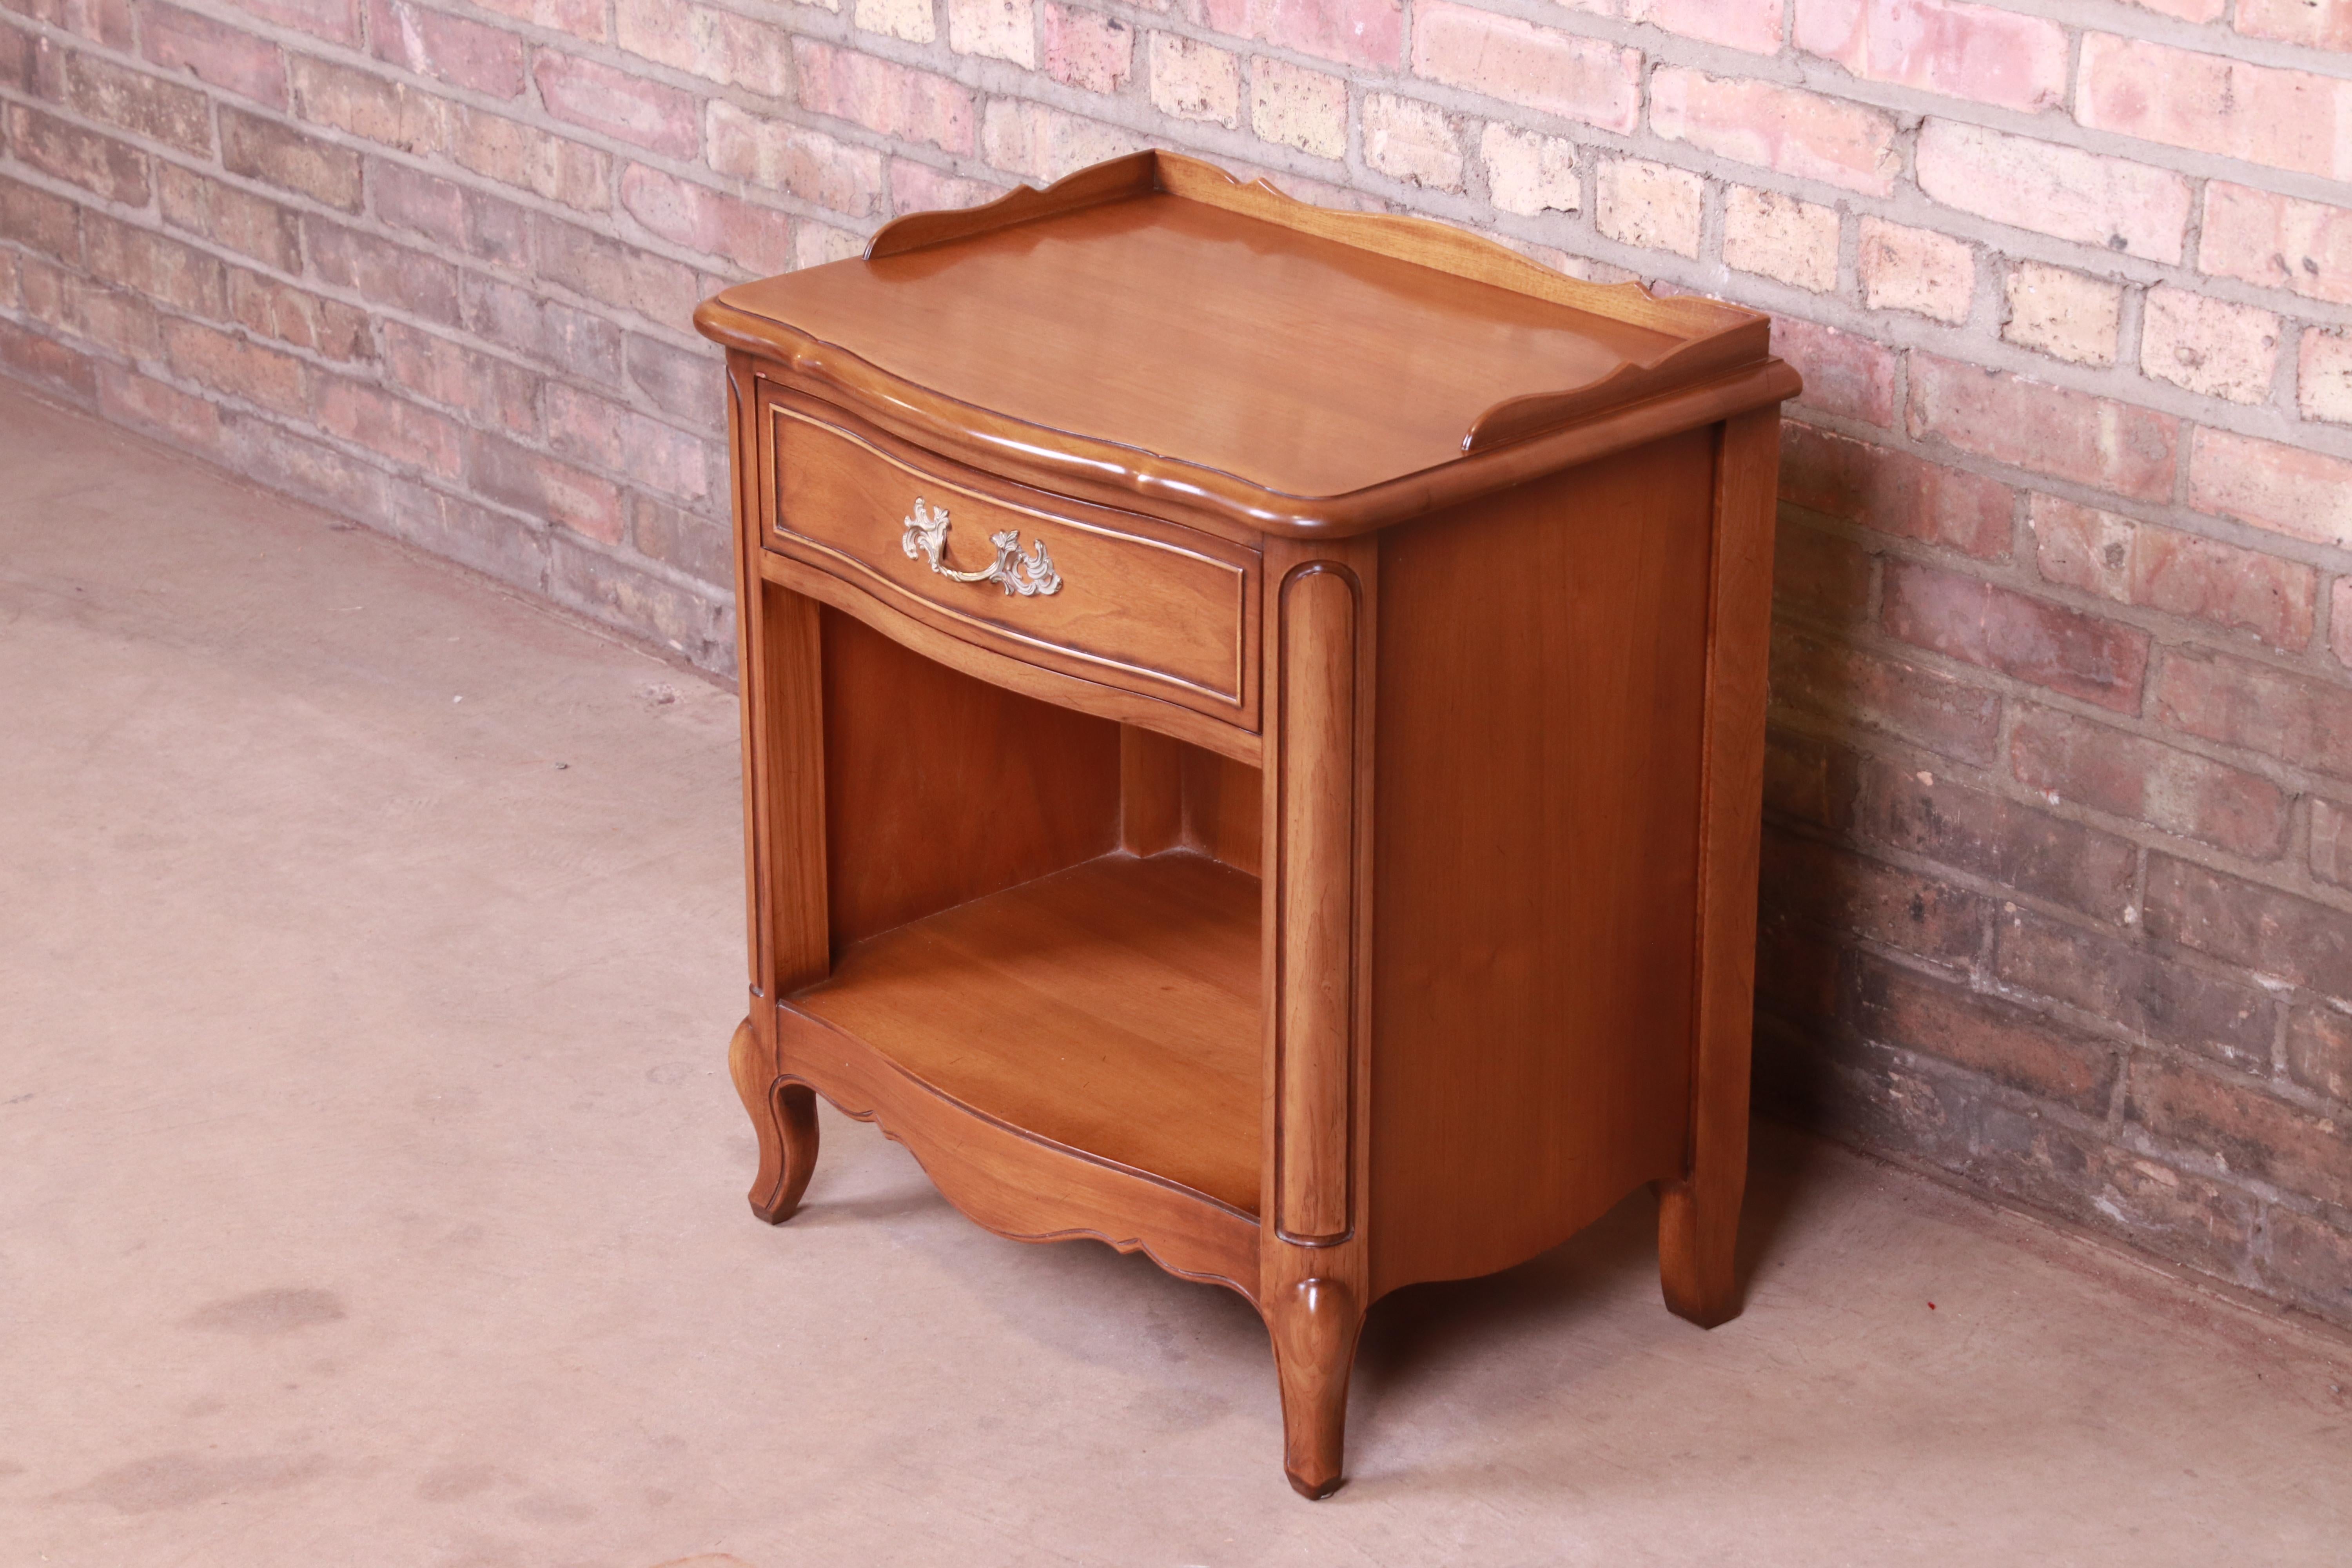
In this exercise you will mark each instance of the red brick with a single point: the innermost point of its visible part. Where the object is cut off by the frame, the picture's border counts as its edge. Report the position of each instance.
(1581, 78)
(17, 66)
(1843, 891)
(692, 623)
(44, 362)
(213, 51)
(1895, 492)
(113, 318)
(237, 366)
(2146, 780)
(144, 105)
(11, 298)
(514, 154)
(337, 21)
(1354, 32)
(919, 187)
(1750, 25)
(381, 272)
(2340, 621)
(2279, 242)
(1995, 838)
(2247, 1129)
(1810, 779)
(799, 161)
(277, 458)
(649, 453)
(130, 398)
(2019, 1049)
(462, 218)
(578, 343)
(894, 100)
(2287, 489)
(2242, 922)
(2280, 119)
(145, 262)
(492, 390)
(2048, 429)
(279, 156)
(1039, 142)
(2331, 841)
(693, 543)
(2153, 996)
(1096, 53)
(1857, 686)
(327, 328)
(625, 107)
(449, 48)
(1975, 52)
(705, 41)
(2032, 639)
(2319, 1051)
(2182, 573)
(391, 113)
(1782, 128)
(2209, 346)
(2240, 703)
(616, 274)
(40, 221)
(2315, 24)
(700, 218)
(1845, 374)
(1819, 574)
(2112, 203)
(2309, 1262)
(103, 21)
(391, 427)
(581, 18)
(543, 486)
(250, 225)
(100, 163)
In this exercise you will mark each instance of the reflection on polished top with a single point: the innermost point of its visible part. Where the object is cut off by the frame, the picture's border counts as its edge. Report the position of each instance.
(1157, 308)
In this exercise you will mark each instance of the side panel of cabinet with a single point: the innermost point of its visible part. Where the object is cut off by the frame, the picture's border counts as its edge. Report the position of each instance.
(1542, 704)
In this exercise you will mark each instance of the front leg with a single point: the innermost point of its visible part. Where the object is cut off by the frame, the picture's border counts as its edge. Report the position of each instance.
(1314, 1324)
(783, 1115)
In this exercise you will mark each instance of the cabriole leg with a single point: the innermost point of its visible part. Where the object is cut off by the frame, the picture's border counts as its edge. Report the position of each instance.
(785, 1117)
(1314, 1324)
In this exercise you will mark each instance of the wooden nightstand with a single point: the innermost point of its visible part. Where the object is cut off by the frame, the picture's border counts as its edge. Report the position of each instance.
(1253, 720)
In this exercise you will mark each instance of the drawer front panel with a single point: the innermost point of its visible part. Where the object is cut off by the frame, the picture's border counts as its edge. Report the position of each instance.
(1124, 600)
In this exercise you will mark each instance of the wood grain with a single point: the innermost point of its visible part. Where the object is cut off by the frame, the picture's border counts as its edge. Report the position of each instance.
(1111, 1008)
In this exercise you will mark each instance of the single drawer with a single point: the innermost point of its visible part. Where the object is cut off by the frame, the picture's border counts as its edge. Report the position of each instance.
(1109, 596)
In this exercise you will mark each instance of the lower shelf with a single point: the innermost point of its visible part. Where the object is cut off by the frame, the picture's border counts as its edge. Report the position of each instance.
(1112, 1008)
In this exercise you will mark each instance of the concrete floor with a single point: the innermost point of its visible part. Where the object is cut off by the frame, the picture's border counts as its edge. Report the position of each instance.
(371, 1188)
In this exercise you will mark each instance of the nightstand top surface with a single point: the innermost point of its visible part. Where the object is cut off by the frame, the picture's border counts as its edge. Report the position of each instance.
(1155, 306)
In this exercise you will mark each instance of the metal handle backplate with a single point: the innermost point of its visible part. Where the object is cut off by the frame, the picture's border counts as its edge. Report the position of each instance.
(927, 539)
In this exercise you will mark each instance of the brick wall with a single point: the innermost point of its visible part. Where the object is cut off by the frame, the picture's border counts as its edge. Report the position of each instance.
(2061, 791)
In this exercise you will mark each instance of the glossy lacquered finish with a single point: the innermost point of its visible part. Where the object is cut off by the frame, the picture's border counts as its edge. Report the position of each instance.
(1253, 732)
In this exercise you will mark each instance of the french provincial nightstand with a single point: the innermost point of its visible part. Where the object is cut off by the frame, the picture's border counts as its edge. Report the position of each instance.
(1254, 721)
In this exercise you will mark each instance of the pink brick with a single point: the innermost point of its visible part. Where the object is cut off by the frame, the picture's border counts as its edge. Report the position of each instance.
(1040, 142)
(626, 107)
(2323, 377)
(2112, 203)
(2340, 621)
(1089, 50)
(111, 169)
(2049, 430)
(1750, 25)
(2181, 573)
(894, 100)
(364, 104)
(1000, 29)
(106, 21)
(1905, 268)
(213, 51)
(162, 269)
(1797, 133)
(129, 398)
(2186, 10)
(327, 328)
(451, 49)
(2289, 490)
(1354, 32)
(617, 273)
(699, 219)
(2209, 345)
(2238, 702)
(1777, 236)
(513, 153)
(114, 318)
(1576, 78)
(1975, 52)
(2281, 119)
(705, 41)
(650, 453)
(1857, 686)
(1844, 373)
(919, 187)
(2277, 241)
(365, 416)
(238, 367)
(2032, 639)
(1636, 202)
(2130, 776)
(543, 486)
(337, 21)
(581, 18)
(1193, 80)
(786, 157)
(381, 272)
(492, 390)
(2315, 24)
(46, 363)
(1895, 492)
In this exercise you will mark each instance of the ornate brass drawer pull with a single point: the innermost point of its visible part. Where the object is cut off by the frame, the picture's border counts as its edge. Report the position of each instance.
(927, 537)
